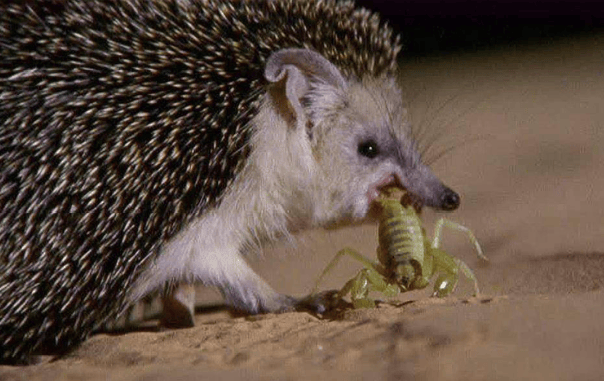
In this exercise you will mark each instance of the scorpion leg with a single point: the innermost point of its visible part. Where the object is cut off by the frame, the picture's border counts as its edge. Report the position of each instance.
(346, 251)
(469, 274)
(368, 279)
(359, 290)
(448, 267)
(454, 225)
(459, 263)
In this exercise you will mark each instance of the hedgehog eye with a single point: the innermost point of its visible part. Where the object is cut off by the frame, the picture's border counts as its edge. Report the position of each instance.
(369, 148)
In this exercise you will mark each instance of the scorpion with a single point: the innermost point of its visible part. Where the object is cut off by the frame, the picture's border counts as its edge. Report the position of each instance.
(407, 260)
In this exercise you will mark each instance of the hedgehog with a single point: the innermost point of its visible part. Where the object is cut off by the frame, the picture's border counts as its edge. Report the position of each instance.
(150, 143)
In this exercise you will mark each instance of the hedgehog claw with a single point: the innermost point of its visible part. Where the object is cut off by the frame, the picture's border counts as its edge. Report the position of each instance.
(322, 303)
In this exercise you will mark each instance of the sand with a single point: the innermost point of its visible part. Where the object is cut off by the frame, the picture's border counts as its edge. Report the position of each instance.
(527, 126)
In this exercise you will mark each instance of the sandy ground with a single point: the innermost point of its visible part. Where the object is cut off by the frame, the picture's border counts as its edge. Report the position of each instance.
(527, 127)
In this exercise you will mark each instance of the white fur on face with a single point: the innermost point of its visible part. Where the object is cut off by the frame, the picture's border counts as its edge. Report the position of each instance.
(371, 110)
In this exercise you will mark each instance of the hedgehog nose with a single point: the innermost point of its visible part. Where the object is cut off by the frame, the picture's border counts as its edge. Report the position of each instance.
(450, 200)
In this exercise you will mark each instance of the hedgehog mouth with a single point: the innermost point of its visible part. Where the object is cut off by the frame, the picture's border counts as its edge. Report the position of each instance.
(387, 181)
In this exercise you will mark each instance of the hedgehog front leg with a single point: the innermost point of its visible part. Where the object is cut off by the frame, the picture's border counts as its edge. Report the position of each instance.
(250, 293)
(179, 307)
(209, 251)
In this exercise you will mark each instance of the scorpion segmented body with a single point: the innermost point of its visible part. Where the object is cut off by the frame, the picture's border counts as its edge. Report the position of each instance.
(407, 260)
(401, 243)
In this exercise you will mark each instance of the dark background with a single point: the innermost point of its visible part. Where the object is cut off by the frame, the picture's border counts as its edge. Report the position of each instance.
(430, 27)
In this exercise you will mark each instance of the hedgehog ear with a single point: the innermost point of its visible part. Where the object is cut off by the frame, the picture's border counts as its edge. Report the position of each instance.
(299, 68)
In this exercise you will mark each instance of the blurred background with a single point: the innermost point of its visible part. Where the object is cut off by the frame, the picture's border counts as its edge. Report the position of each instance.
(429, 27)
